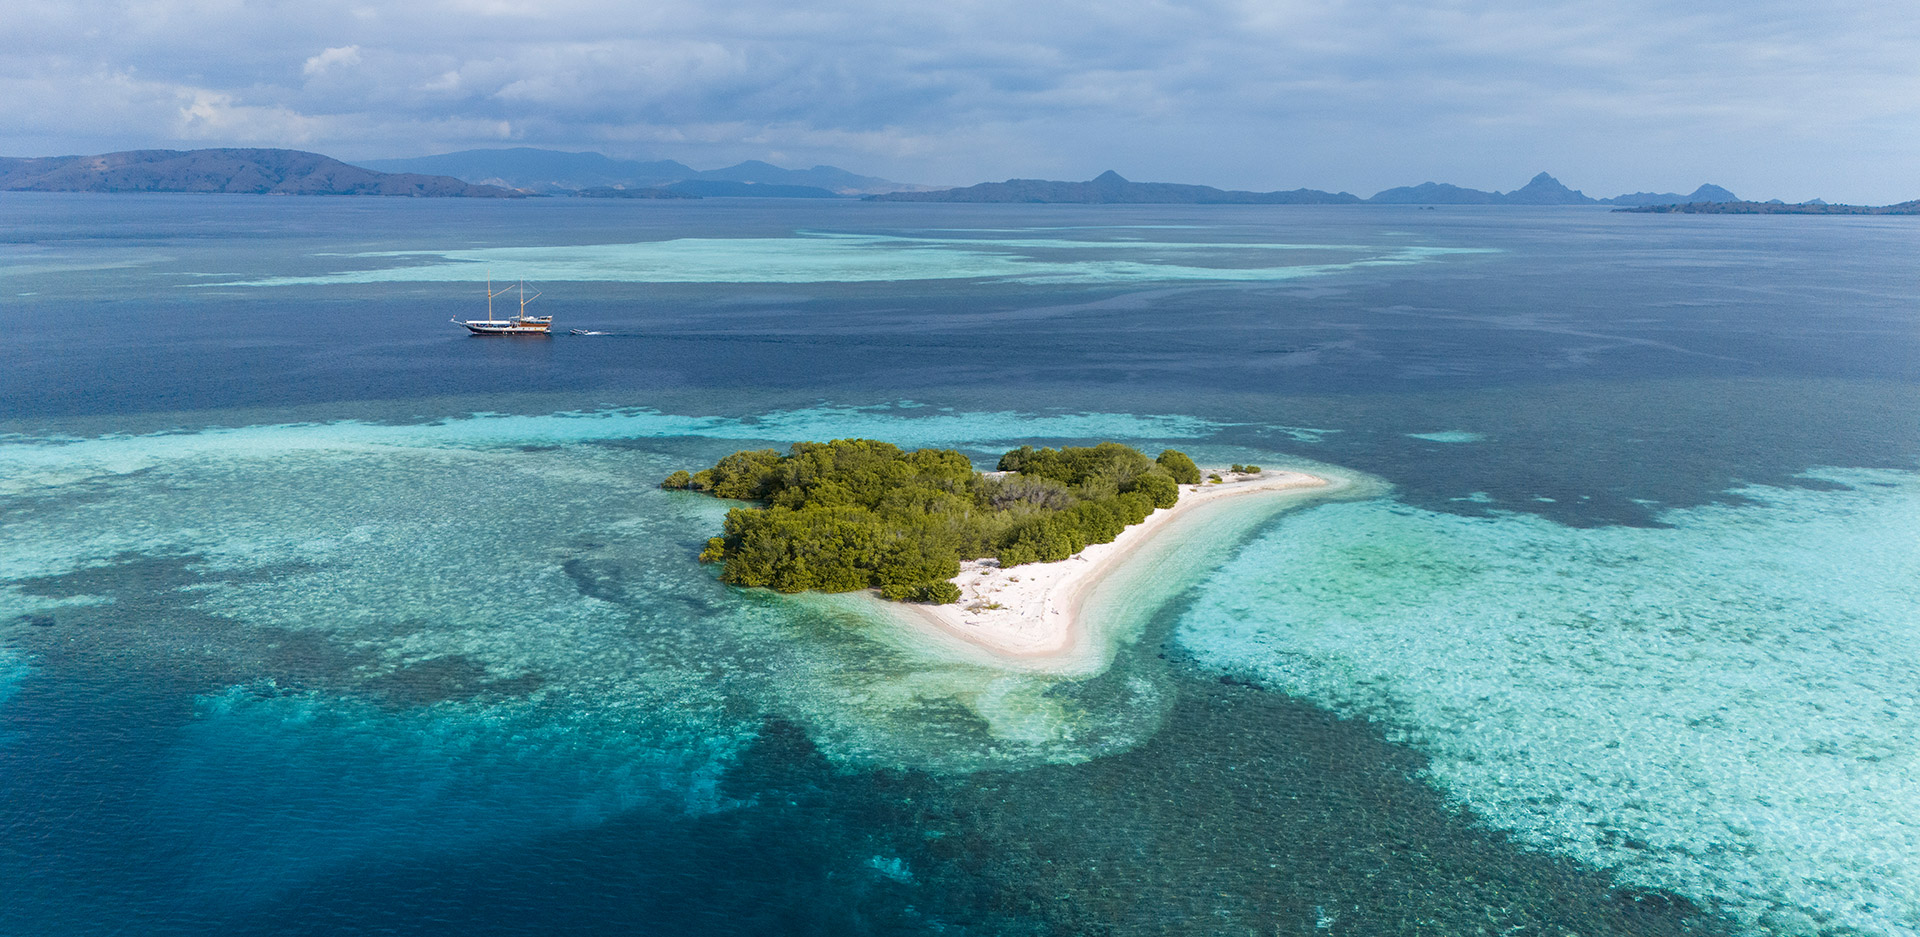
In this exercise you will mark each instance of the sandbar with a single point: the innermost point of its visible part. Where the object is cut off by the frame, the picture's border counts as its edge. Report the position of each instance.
(1034, 612)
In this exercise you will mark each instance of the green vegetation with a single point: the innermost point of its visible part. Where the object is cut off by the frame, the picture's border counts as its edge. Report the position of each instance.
(859, 514)
(1179, 466)
(1239, 469)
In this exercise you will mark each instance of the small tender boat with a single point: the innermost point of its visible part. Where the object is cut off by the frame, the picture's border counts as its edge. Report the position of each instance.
(586, 332)
(521, 324)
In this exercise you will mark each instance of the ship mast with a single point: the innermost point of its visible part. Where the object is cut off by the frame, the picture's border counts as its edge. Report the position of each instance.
(524, 299)
(491, 294)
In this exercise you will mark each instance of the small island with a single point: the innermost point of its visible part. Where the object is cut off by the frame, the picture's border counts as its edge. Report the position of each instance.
(1109, 188)
(1815, 207)
(232, 171)
(999, 559)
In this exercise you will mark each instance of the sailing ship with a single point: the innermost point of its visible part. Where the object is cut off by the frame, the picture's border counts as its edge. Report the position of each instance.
(521, 324)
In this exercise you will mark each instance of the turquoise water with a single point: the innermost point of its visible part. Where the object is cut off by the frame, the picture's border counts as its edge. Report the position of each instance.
(386, 629)
(385, 540)
(823, 257)
(1723, 706)
(1449, 435)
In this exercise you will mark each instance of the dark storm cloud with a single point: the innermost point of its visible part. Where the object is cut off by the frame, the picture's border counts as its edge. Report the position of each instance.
(1361, 94)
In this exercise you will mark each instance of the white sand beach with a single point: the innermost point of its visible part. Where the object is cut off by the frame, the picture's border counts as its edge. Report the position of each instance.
(1033, 612)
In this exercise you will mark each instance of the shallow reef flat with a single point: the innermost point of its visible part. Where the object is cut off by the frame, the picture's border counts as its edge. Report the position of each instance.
(499, 621)
(825, 257)
(505, 564)
(1723, 706)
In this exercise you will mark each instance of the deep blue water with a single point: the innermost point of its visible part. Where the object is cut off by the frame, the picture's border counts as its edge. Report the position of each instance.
(289, 643)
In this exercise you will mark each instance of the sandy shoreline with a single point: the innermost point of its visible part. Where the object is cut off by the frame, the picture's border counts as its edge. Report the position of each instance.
(1040, 605)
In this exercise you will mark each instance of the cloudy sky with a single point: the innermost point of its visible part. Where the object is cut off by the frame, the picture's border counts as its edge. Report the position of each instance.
(1793, 100)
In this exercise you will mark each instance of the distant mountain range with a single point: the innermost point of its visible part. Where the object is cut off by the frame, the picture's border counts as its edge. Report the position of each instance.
(1110, 188)
(247, 171)
(726, 188)
(839, 181)
(555, 172)
(705, 188)
(517, 172)
(1705, 193)
(1542, 189)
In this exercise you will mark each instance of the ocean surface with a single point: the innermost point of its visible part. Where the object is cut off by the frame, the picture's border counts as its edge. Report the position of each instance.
(320, 616)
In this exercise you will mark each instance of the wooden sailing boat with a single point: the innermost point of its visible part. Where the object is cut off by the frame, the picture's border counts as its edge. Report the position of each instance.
(521, 324)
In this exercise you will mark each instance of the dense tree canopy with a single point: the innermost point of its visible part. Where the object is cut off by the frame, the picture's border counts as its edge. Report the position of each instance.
(858, 514)
(1179, 466)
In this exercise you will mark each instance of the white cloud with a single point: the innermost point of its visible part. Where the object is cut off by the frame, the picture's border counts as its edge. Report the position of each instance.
(216, 116)
(339, 55)
(1358, 94)
(448, 82)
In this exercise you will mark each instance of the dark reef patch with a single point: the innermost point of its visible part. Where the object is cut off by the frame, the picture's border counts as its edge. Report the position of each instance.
(438, 679)
(1253, 813)
(151, 627)
(595, 578)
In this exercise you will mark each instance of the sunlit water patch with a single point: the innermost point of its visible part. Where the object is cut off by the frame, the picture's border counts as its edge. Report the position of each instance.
(1449, 435)
(813, 257)
(1726, 708)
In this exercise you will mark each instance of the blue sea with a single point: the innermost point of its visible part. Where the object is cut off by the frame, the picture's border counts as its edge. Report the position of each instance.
(320, 616)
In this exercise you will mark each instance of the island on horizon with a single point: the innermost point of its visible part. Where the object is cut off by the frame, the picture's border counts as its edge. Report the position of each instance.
(236, 171)
(1736, 207)
(1110, 188)
(520, 172)
(512, 173)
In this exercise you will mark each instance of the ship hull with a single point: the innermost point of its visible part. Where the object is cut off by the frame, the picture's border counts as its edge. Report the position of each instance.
(480, 329)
